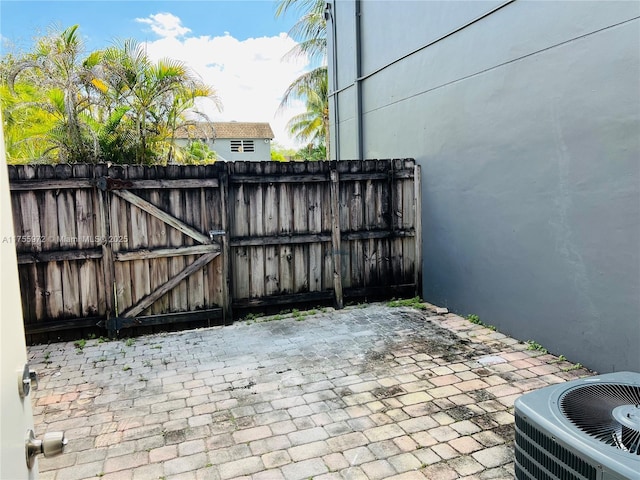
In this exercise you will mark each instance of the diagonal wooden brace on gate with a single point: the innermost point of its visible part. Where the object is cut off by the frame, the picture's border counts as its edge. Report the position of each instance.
(114, 323)
(146, 301)
(151, 209)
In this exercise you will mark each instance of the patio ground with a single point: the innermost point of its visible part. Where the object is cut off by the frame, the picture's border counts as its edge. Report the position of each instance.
(367, 392)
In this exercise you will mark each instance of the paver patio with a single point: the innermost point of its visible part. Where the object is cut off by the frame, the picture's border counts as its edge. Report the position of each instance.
(361, 393)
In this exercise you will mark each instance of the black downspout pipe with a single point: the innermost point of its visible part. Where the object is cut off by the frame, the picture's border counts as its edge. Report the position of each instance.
(330, 17)
(358, 82)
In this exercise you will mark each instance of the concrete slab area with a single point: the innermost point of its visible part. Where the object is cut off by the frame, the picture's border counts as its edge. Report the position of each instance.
(362, 393)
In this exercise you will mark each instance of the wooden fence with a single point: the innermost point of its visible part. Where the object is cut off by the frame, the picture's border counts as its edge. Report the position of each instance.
(130, 246)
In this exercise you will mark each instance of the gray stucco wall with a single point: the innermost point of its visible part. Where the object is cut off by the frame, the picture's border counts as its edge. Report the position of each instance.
(527, 126)
(261, 153)
(222, 146)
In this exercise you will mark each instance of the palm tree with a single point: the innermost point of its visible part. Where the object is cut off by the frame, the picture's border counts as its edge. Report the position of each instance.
(114, 105)
(55, 70)
(311, 33)
(312, 126)
(149, 100)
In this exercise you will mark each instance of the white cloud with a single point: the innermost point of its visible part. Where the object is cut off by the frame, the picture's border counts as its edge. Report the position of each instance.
(249, 76)
(165, 25)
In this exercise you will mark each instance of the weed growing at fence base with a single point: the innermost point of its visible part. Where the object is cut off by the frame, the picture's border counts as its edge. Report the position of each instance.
(532, 345)
(415, 302)
(475, 319)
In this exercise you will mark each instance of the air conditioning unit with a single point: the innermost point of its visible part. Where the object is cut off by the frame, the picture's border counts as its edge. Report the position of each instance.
(587, 429)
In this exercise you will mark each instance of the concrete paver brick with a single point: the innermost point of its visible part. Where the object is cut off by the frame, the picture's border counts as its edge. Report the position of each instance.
(413, 398)
(304, 469)
(309, 450)
(465, 465)
(440, 471)
(404, 462)
(301, 437)
(414, 475)
(347, 441)
(445, 451)
(494, 456)
(378, 470)
(335, 461)
(126, 462)
(384, 432)
(424, 439)
(465, 445)
(250, 434)
(465, 427)
(153, 470)
(276, 459)
(358, 455)
(237, 468)
(269, 444)
(427, 456)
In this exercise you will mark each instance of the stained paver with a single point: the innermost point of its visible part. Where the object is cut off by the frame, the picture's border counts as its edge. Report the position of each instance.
(374, 392)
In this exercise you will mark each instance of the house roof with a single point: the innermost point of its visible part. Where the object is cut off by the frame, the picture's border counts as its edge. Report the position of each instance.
(237, 130)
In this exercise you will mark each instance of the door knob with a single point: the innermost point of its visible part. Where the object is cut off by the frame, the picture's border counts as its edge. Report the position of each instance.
(52, 444)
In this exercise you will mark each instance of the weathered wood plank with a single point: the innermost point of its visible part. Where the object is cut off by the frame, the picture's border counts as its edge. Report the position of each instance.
(181, 183)
(315, 177)
(85, 226)
(164, 216)
(51, 184)
(271, 251)
(105, 281)
(335, 241)
(277, 178)
(195, 282)
(59, 255)
(178, 296)
(144, 253)
(286, 269)
(288, 239)
(225, 259)
(141, 282)
(168, 318)
(52, 288)
(240, 268)
(285, 209)
(285, 299)
(119, 226)
(158, 264)
(314, 221)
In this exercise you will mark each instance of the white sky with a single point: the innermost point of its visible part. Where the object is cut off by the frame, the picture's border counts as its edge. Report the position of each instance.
(249, 76)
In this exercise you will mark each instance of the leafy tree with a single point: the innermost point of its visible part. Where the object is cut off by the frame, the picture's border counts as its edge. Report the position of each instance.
(54, 69)
(280, 153)
(114, 105)
(312, 153)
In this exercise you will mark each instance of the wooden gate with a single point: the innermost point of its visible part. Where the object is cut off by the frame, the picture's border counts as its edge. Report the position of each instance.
(148, 267)
(117, 247)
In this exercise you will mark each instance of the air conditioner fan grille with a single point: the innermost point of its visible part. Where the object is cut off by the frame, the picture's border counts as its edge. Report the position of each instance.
(609, 412)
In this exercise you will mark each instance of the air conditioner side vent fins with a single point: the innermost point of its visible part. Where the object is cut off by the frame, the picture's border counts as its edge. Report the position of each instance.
(538, 457)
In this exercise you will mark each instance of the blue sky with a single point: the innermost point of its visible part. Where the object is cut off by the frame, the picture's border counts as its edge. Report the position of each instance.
(236, 46)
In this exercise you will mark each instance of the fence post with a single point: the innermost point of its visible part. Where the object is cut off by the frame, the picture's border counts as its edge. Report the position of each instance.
(417, 205)
(227, 312)
(335, 240)
(107, 258)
